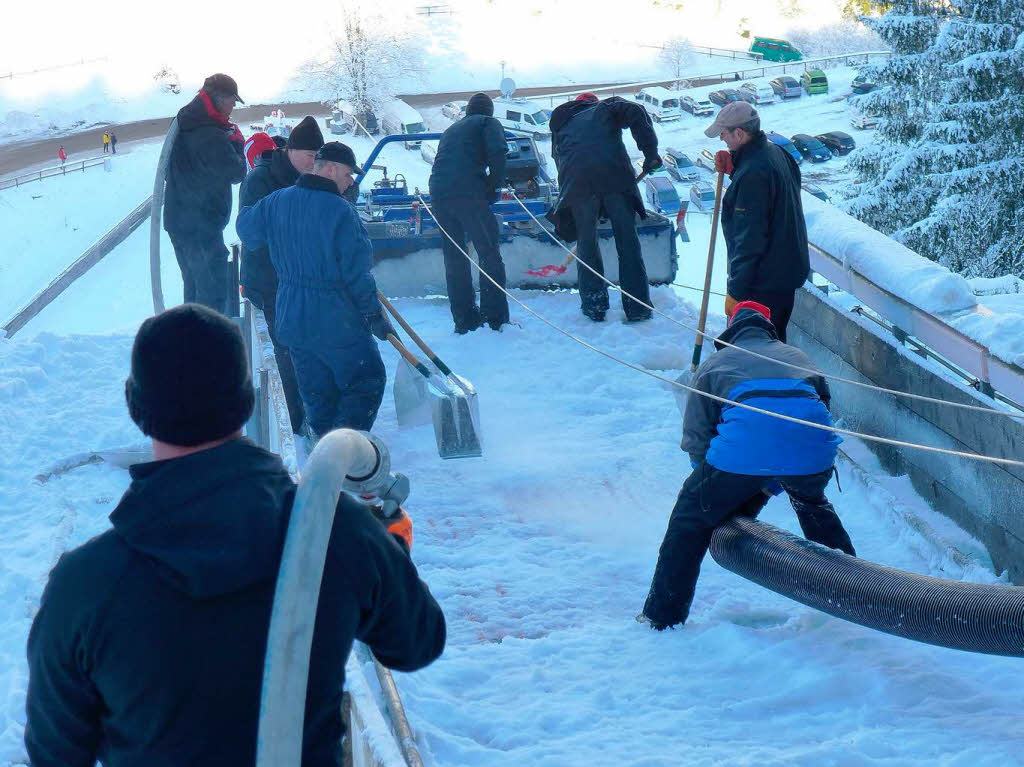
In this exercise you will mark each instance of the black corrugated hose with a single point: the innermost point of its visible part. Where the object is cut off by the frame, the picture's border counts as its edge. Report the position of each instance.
(962, 616)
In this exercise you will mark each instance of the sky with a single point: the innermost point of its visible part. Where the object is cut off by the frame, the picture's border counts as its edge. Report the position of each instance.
(263, 46)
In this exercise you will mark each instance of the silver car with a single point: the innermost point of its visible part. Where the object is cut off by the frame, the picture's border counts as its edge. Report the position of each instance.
(787, 87)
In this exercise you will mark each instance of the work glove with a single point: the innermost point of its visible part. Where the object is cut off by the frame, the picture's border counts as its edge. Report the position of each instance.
(730, 305)
(651, 163)
(398, 524)
(723, 161)
(379, 325)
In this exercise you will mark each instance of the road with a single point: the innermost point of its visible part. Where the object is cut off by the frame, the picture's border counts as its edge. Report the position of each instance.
(19, 155)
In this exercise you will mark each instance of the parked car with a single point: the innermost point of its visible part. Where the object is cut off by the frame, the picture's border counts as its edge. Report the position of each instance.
(863, 121)
(725, 96)
(814, 81)
(345, 119)
(779, 140)
(761, 94)
(787, 87)
(661, 104)
(398, 118)
(811, 148)
(678, 165)
(454, 110)
(662, 195)
(638, 166)
(863, 84)
(702, 196)
(706, 160)
(774, 49)
(522, 115)
(837, 142)
(696, 106)
(817, 191)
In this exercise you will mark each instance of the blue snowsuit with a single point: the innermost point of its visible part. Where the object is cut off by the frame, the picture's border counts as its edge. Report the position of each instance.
(326, 297)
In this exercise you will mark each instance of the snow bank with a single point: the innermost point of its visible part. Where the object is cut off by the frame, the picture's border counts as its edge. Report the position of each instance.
(887, 263)
(996, 286)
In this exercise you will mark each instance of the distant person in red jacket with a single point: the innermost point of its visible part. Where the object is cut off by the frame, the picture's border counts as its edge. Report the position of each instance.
(62, 155)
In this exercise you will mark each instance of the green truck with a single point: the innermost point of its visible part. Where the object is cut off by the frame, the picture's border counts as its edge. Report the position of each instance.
(775, 50)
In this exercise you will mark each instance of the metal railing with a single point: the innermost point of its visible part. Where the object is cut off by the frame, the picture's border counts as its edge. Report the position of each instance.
(927, 334)
(56, 170)
(697, 80)
(725, 53)
(11, 75)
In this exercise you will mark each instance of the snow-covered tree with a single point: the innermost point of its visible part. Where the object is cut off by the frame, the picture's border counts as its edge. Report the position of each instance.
(367, 62)
(946, 175)
(167, 79)
(676, 55)
(844, 36)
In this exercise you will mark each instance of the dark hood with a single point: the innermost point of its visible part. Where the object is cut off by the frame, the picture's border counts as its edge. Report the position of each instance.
(212, 522)
(565, 112)
(199, 113)
(748, 323)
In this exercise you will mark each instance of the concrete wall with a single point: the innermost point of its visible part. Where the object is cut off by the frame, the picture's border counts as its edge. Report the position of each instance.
(985, 499)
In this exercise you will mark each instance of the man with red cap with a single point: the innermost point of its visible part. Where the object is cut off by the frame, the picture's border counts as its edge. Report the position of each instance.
(740, 457)
(596, 180)
(207, 158)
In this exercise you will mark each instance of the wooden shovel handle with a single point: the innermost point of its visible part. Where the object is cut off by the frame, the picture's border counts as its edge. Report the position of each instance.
(407, 355)
(413, 334)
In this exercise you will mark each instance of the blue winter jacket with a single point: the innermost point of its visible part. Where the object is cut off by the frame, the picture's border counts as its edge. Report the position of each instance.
(322, 256)
(741, 441)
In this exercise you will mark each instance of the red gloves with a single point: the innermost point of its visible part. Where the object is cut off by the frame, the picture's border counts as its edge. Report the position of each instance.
(236, 135)
(723, 161)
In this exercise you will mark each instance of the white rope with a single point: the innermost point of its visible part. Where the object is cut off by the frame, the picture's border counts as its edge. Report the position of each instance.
(895, 392)
(716, 398)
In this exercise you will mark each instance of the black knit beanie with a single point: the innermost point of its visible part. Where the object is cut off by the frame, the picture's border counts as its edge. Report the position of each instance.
(480, 104)
(190, 380)
(306, 135)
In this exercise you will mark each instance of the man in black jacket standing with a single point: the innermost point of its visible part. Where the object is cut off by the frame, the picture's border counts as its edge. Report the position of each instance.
(277, 169)
(596, 180)
(149, 644)
(762, 217)
(205, 161)
(468, 171)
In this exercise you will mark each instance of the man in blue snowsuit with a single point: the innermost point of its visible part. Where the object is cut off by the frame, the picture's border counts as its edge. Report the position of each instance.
(740, 457)
(327, 303)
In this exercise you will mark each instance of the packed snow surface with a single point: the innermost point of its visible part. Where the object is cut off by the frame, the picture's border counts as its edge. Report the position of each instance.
(541, 552)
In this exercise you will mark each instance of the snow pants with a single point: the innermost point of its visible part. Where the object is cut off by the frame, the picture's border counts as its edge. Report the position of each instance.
(341, 387)
(462, 217)
(204, 269)
(283, 355)
(710, 497)
(632, 272)
(781, 305)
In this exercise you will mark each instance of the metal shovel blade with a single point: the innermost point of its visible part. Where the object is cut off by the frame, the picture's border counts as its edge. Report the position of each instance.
(682, 395)
(457, 421)
(412, 399)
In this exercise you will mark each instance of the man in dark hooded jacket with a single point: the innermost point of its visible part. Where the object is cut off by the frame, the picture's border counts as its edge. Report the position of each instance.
(207, 158)
(596, 180)
(149, 644)
(468, 171)
(277, 169)
(739, 456)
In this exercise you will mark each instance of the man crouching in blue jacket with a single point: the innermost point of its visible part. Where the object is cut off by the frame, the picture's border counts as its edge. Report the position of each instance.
(327, 303)
(740, 456)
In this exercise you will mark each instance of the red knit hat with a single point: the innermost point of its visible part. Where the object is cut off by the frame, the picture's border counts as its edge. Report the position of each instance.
(753, 305)
(588, 96)
(257, 144)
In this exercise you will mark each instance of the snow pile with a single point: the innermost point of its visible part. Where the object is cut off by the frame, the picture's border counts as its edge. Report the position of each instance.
(1002, 333)
(887, 263)
(996, 286)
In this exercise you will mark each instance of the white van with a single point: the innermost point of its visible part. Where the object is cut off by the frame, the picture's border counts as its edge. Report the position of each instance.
(661, 104)
(522, 115)
(399, 118)
(344, 119)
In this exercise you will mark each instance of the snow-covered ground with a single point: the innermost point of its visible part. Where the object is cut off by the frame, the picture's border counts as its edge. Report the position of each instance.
(540, 552)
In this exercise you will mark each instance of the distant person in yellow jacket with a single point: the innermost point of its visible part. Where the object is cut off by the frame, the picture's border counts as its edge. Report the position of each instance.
(106, 142)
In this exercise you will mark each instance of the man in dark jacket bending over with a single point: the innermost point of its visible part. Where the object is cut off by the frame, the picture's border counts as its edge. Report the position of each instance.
(207, 158)
(762, 217)
(740, 456)
(468, 171)
(596, 180)
(327, 304)
(277, 169)
(149, 644)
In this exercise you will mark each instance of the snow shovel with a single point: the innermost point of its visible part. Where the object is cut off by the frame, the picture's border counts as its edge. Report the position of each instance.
(459, 386)
(427, 396)
(687, 377)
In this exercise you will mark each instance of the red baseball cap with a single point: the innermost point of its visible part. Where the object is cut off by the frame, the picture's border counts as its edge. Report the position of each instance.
(588, 96)
(755, 306)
